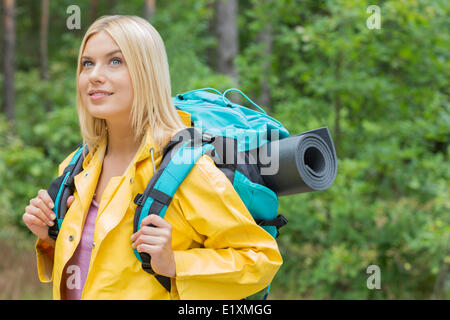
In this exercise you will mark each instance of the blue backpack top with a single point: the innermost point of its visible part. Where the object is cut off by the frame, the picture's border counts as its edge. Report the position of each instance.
(227, 132)
(238, 133)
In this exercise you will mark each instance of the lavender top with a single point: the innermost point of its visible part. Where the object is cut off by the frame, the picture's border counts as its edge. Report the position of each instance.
(76, 269)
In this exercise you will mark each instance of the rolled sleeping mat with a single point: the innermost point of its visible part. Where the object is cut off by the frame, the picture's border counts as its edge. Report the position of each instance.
(307, 162)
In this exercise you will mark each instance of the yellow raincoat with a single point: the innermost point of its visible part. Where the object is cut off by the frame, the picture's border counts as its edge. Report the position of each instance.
(220, 253)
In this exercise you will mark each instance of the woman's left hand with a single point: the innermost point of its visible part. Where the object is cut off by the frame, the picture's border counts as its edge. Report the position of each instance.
(157, 242)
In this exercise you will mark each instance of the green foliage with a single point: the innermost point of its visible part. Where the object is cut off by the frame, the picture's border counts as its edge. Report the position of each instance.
(389, 204)
(387, 89)
(23, 169)
(187, 51)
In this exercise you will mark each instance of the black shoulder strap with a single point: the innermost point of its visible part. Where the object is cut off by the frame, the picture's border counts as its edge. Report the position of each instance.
(161, 199)
(62, 188)
(157, 206)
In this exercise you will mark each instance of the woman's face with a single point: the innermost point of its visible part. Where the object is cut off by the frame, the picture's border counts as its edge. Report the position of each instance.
(104, 82)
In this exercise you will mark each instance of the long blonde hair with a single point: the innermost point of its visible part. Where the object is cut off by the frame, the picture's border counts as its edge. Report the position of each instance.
(146, 58)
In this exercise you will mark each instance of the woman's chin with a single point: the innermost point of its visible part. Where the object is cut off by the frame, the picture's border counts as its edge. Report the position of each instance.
(108, 111)
(102, 112)
(109, 116)
(100, 115)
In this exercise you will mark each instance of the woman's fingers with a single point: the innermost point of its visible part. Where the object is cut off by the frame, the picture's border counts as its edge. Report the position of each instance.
(160, 228)
(155, 220)
(147, 248)
(38, 213)
(152, 231)
(151, 240)
(157, 242)
(39, 203)
(70, 201)
(158, 235)
(31, 219)
(43, 194)
(41, 209)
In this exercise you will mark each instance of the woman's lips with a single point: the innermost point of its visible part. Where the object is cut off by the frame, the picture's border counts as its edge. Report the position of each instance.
(99, 96)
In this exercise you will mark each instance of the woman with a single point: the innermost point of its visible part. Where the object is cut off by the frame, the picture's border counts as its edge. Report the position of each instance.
(208, 243)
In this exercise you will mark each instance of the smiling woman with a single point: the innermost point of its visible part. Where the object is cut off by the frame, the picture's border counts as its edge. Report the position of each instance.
(207, 246)
(103, 75)
(111, 61)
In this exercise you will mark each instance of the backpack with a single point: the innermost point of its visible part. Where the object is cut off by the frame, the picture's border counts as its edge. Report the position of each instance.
(227, 132)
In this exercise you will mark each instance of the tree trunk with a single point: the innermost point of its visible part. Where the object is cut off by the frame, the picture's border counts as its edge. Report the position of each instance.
(111, 5)
(8, 59)
(211, 57)
(149, 9)
(44, 47)
(227, 34)
(338, 105)
(94, 10)
(265, 98)
(44, 40)
(439, 284)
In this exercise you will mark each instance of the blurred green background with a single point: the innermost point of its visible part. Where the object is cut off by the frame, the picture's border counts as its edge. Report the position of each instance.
(384, 93)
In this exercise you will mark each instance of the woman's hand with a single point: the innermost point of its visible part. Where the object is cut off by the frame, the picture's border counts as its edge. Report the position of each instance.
(157, 242)
(39, 216)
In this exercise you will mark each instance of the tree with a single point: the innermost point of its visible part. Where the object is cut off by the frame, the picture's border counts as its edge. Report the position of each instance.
(265, 37)
(149, 9)
(94, 10)
(44, 46)
(111, 6)
(227, 35)
(8, 59)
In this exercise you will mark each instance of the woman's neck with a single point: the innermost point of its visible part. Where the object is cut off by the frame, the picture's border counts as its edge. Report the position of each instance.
(121, 141)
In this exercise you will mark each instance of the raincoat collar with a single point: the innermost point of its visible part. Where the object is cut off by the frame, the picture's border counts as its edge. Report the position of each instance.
(143, 152)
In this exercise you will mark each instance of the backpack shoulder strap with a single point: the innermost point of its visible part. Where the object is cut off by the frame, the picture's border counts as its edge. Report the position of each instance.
(177, 162)
(62, 187)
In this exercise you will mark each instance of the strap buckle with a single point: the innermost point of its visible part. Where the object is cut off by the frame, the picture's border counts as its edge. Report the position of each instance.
(139, 199)
(69, 182)
(282, 221)
(278, 222)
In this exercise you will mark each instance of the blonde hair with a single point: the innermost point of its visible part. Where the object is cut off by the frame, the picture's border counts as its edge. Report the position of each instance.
(145, 54)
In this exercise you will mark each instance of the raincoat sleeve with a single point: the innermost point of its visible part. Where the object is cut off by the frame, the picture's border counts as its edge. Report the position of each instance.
(44, 251)
(237, 258)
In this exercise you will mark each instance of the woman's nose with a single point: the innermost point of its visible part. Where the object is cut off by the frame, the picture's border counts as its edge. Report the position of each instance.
(97, 74)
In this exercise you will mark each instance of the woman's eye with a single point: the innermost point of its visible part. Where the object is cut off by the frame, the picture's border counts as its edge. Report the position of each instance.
(114, 61)
(84, 63)
(117, 60)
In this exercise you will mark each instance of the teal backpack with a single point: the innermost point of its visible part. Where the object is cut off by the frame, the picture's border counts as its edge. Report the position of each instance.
(227, 132)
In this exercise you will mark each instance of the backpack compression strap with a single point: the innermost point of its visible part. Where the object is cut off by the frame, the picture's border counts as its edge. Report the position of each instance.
(175, 166)
(61, 188)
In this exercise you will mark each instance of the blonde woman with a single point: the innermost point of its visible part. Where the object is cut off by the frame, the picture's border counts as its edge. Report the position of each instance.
(207, 244)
